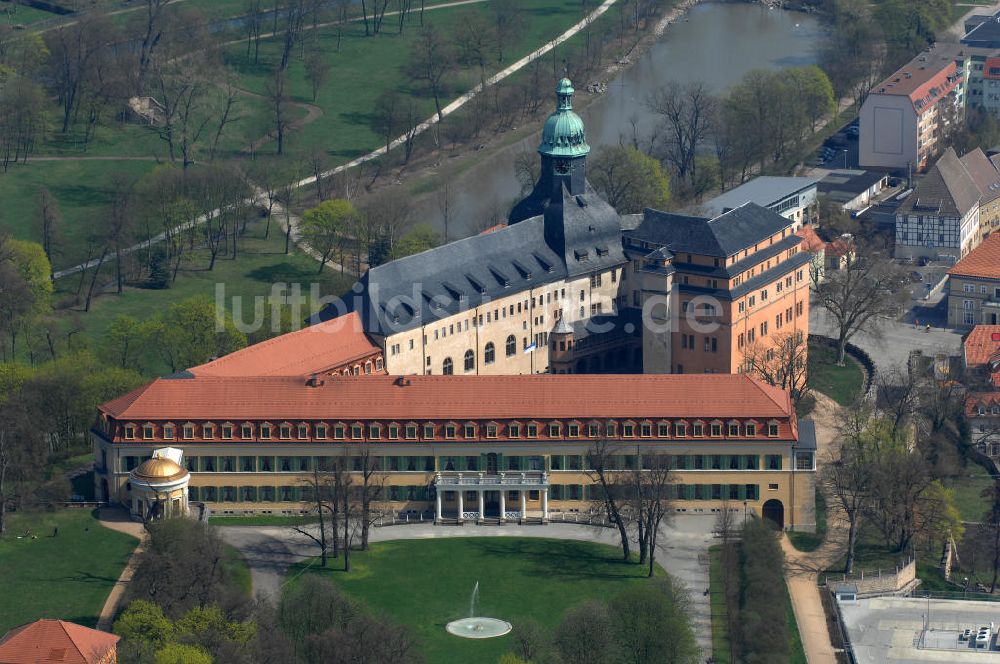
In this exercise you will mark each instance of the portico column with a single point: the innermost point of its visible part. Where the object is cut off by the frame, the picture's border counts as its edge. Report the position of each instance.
(545, 504)
(524, 504)
(482, 506)
(461, 506)
(437, 518)
(503, 506)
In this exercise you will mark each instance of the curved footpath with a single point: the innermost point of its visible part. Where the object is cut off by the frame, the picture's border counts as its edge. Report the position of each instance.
(271, 550)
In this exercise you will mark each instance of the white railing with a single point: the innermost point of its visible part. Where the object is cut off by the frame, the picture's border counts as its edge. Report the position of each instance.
(526, 479)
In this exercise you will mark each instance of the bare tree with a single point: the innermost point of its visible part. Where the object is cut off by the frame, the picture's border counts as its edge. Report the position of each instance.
(317, 71)
(278, 97)
(49, 222)
(445, 201)
(613, 491)
(225, 110)
(860, 295)
(652, 480)
(431, 58)
(320, 496)
(150, 35)
(508, 25)
(685, 113)
(74, 50)
(848, 479)
(371, 489)
(989, 527)
(782, 362)
(254, 17)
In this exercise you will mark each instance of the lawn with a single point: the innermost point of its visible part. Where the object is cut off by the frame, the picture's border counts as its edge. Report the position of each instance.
(261, 262)
(842, 384)
(812, 541)
(426, 584)
(236, 565)
(367, 66)
(68, 576)
(83, 190)
(968, 490)
(12, 13)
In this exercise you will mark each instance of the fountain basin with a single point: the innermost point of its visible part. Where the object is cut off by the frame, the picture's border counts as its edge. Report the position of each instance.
(478, 628)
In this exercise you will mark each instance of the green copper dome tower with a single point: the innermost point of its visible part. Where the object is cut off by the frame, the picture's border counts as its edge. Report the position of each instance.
(563, 135)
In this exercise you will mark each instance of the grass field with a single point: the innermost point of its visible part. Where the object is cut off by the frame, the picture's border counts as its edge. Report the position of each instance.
(68, 576)
(842, 384)
(260, 263)
(426, 584)
(236, 565)
(812, 541)
(968, 490)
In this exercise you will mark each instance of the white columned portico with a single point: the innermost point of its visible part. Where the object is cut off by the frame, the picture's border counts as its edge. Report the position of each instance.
(438, 513)
(524, 504)
(461, 505)
(545, 504)
(503, 504)
(482, 506)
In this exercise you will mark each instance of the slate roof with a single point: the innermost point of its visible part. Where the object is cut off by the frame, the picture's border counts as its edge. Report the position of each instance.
(947, 190)
(764, 191)
(577, 235)
(986, 34)
(983, 173)
(845, 185)
(721, 236)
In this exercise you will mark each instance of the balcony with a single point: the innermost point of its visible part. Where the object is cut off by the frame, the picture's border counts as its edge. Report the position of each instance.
(472, 481)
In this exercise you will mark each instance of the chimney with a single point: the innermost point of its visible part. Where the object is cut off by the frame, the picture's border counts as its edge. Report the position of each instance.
(315, 381)
(401, 381)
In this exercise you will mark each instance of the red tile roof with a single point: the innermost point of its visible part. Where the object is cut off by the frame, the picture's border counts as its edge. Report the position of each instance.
(811, 242)
(982, 346)
(45, 641)
(924, 80)
(313, 349)
(452, 397)
(983, 261)
(985, 399)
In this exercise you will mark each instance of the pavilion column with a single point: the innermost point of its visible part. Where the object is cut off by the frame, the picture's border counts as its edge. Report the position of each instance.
(482, 506)
(437, 518)
(545, 504)
(503, 505)
(524, 504)
(461, 505)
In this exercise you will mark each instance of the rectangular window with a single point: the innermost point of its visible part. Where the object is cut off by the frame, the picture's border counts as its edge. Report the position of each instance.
(645, 430)
(246, 432)
(284, 431)
(751, 429)
(356, 431)
(734, 429)
(130, 432)
(716, 429)
(680, 429)
(449, 431)
(265, 431)
(168, 431)
(393, 431)
(208, 432)
(188, 431)
(410, 432)
(698, 429)
(428, 432)
(227, 431)
(574, 430)
(470, 431)
(628, 430)
(303, 431)
(555, 431)
(532, 430)
(773, 461)
(513, 430)
(374, 431)
(772, 429)
(147, 432)
(320, 431)
(491, 431)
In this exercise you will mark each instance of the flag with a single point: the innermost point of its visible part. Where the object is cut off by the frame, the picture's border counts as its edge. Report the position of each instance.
(530, 347)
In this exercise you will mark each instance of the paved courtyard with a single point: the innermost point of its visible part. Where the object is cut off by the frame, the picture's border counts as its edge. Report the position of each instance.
(270, 550)
(891, 629)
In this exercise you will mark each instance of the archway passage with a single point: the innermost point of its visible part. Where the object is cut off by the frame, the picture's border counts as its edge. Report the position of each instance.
(775, 512)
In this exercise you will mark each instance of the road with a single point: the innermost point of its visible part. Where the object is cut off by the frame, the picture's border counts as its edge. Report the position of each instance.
(270, 550)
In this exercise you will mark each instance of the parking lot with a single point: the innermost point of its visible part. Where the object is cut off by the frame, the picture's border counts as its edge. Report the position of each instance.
(905, 629)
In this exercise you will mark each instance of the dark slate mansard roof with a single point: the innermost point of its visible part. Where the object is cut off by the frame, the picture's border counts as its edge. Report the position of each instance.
(579, 235)
(720, 237)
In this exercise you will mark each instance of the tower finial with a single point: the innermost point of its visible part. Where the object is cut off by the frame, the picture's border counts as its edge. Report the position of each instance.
(564, 93)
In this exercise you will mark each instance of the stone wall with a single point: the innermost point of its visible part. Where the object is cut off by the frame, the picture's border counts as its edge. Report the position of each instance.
(879, 582)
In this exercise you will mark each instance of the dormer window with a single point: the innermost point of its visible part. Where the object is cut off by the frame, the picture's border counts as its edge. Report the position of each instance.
(514, 430)
(734, 429)
(680, 429)
(772, 429)
(285, 431)
(469, 430)
(356, 431)
(168, 431)
(491, 430)
(375, 431)
(449, 431)
(698, 429)
(129, 432)
(246, 431)
(147, 432)
(555, 430)
(628, 430)
(227, 431)
(393, 431)
(646, 429)
(532, 430)
(188, 432)
(751, 429)
(593, 430)
(265, 431)
(715, 429)
(320, 431)
(208, 431)
(303, 431)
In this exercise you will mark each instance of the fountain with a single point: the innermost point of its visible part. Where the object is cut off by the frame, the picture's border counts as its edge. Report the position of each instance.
(475, 627)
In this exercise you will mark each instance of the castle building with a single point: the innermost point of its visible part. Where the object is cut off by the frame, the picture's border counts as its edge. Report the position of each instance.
(463, 426)
(482, 448)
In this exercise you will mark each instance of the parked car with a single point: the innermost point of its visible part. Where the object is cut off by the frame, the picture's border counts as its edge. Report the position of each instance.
(916, 277)
(924, 261)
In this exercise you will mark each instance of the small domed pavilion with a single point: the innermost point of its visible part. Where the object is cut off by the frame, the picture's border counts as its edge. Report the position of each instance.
(159, 486)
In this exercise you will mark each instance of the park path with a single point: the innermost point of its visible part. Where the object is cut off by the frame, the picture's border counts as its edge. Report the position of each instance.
(271, 550)
(802, 568)
(117, 518)
(375, 154)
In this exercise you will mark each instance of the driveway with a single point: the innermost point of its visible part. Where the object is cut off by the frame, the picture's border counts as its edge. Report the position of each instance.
(270, 550)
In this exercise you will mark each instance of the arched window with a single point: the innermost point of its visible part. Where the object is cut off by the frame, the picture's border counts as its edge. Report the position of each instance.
(470, 360)
(490, 353)
(446, 367)
(511, 346)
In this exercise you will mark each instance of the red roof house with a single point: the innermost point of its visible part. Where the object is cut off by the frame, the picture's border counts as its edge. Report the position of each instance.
(50, 641)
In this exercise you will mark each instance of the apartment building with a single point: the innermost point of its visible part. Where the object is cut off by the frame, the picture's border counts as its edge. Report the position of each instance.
(904, 118)
(465, 448)
(974, 287)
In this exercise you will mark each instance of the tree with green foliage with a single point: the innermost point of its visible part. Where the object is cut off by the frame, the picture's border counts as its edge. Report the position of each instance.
(324, 226)
(25, 288)
(193, 332)
(22, 448)
(182, 653)
(127, 340)
(586, 635)
(143, 623)
(651, 623)
(763, 625)
(629, 180)
(420, 238)
(813, 93)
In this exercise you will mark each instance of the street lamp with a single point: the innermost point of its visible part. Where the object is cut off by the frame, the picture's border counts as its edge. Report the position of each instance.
(845, 159)
(744, 512)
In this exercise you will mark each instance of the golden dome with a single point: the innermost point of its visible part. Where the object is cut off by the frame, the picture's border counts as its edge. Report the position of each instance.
(159, 469)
